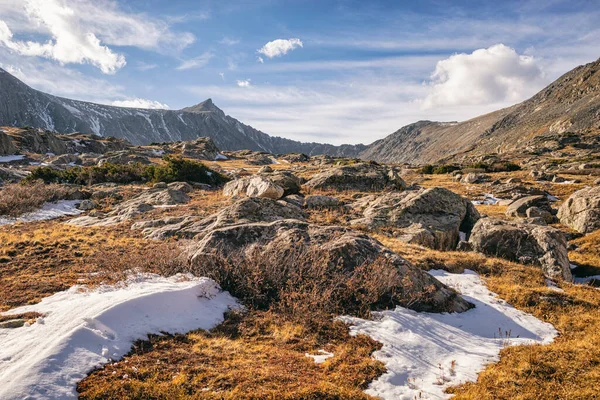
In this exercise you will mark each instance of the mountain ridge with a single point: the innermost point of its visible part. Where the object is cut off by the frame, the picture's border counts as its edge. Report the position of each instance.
(25, 106)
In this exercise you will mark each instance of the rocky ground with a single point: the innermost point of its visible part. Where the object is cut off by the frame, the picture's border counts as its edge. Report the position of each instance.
(300, 240)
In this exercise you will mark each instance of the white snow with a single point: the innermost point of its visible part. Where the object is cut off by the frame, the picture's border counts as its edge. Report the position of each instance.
(16, 157)
(488, 199)
(425, 353)
(221, 157)
(321, 357)
(48, 211)
(552, 198)
(83, 329)
(158, 152)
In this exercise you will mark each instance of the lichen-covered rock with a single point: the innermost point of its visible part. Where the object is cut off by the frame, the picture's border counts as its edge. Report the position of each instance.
(474, 178)
(322, 202)
(525, 243)
(364, 177)
(254, 186)
(430, 217)
(518, 208)
(581, 211)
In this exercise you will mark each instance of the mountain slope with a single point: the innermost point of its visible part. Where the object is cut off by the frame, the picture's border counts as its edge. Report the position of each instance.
(570, 104)
(23, 106)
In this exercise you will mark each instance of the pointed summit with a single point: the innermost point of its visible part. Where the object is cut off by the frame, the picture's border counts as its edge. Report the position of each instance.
(206, 106)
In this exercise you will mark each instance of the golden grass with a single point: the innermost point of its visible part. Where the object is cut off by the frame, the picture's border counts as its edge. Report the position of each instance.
(260, 356)
(568, 368)
(40, 259)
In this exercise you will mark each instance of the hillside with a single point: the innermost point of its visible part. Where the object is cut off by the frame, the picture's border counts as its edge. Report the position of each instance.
(23, 106)
(569, 105)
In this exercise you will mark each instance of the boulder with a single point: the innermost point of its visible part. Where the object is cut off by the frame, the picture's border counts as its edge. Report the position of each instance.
(288, 181)
(518, 208)
(140, 204)
(181, 186)
(123, 157)
(322, 202)
(430, 217)
(581, 211)
(87, 205)
(474, 178)
(12, 174)
(525, 243)
(364, 177)
(65, 159)
(545, 215)
(265, 170)
(202, 148)
(254, 186)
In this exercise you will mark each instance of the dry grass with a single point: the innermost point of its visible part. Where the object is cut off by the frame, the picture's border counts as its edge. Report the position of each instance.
(260, 356)
(568, 368)
(18, 199)
(40, 259)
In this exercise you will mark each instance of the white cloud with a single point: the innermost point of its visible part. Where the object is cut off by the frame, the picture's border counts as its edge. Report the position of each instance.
(279, 47)
(244, 83)
(228, 41)
(222, 75)
(79, 31)
(197, 62)
(486, 76)
(140, 103)
(260, 59)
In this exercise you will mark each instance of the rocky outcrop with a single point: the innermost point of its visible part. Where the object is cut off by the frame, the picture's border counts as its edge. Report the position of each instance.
(473, 178)
(6, 145)
(140, 204)
(200, 149)
(123, 157)
(288, 181)
(267, 228)
(525, 243)
(364, 177)
(531, 207)
(429, 217)
(581, 211)
(254, 186)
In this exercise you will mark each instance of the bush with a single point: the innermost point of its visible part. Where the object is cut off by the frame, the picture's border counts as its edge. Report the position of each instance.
(501, 166)
(18, 199)
(175, 169)
(440, 169)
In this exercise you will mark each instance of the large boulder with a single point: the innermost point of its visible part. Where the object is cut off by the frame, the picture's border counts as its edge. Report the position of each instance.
(202, 148)
(288, 181)
(254, 186)
(364, 177)
(474, 178)
(525, 243)
(431, 217)
(7, 146)
(518, 208)
(581, 211)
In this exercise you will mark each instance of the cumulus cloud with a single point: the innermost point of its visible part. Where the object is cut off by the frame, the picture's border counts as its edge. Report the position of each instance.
(140, 103)
(486, 76)
(80, 31)
(197, 62)
(244, 83)
(279, 47)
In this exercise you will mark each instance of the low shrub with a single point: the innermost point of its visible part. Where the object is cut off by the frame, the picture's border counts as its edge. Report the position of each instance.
(439, 169)
(175, 169)
(18, 199)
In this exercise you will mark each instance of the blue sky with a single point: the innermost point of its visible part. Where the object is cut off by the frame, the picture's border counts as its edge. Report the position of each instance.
(329, 71)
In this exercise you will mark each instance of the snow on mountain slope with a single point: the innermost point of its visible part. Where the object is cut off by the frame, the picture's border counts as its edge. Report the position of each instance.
(24, 106)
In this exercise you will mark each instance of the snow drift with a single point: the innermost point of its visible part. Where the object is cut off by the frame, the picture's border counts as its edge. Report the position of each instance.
(48, 211)
(83, 329)
(425, 353)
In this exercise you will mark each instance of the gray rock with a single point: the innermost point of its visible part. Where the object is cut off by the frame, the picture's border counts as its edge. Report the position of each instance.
(536, 212)
(12, 323)
(294, 199)
(518, 208)
(289, 182)
(525, 243)
(364, 177)
(581, 211)
(430, 217)
(265, 170)
(474, 178)
(87, 205)
(65, 159)
(255, 186)
(322, 202)
(182, 187)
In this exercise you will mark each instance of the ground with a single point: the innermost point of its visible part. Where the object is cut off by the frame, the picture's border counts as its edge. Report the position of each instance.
(263, 354)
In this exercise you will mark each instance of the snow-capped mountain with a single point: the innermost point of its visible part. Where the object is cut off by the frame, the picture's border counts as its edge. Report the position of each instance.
(22, 105)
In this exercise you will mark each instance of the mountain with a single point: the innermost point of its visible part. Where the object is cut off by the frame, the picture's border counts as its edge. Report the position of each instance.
(569, 105)
(22, 105)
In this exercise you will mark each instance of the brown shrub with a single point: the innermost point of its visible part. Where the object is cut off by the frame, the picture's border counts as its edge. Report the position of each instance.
(18, 199)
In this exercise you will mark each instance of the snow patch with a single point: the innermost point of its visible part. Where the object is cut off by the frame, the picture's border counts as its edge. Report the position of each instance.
(488, 199)
(424, 353)
(16, 157)
(83, 329)
(321, 357)
(48, 211)
(221, 157)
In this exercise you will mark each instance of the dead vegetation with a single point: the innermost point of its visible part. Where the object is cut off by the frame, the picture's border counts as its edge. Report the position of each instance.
(18, 199)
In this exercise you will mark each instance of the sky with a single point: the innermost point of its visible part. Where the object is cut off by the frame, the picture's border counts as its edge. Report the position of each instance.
(340, 71)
